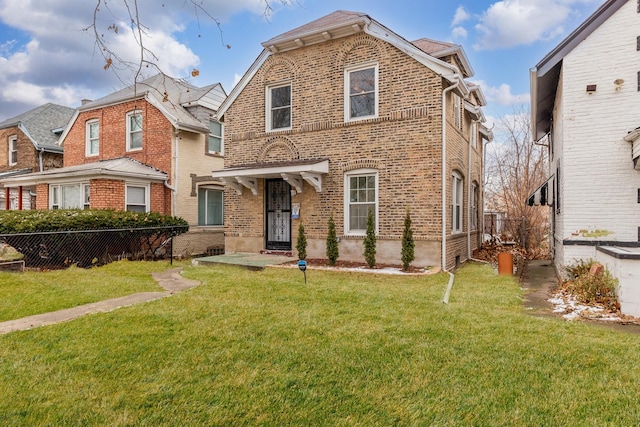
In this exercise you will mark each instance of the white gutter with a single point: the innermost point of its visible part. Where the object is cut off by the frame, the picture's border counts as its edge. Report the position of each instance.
(475, 122)
(173, 189)
(444, 170)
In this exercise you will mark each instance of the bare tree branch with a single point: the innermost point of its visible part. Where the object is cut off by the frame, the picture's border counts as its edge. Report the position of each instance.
(517, 166)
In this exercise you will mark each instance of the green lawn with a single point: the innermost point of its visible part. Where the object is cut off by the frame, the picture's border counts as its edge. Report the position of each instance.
(31, 292)
(347, 349)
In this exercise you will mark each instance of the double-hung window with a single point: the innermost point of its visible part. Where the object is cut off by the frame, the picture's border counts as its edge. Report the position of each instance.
(13, 150)
(457, 111)
(361, 196)
(215, 137)
(210, 207)
(361, 92)
(137, 198)
(69, 196)
(456, 202)
(134, 130)
(93, 138)
(279, 107)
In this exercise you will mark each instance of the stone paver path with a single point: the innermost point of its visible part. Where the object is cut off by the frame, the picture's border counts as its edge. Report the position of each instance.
(170, 280)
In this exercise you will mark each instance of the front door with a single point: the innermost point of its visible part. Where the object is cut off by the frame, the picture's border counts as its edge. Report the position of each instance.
(278, 215)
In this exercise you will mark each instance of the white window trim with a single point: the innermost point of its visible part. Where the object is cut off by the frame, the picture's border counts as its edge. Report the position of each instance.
(59, 186)
(13, 139)
(457, 111)
(88, 152)
(268, 106)
(128, 119)
(457, 184)
(473, 134)
(147, 194)
(347, 202)
(221, 152)
(347, 95)
(206, 187)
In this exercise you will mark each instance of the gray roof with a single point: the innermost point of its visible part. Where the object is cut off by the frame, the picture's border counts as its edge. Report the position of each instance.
(40, 123)
(170, 95)
(123, 167)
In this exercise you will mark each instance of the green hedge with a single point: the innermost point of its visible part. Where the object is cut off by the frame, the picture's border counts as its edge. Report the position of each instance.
(35, 221)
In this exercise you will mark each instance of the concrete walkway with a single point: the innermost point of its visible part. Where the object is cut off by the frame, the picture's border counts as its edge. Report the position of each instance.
(539, 279)
(170, 280)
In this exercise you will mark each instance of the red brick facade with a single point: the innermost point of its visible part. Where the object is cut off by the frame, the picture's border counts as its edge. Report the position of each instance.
(156, 136)
(156, 152)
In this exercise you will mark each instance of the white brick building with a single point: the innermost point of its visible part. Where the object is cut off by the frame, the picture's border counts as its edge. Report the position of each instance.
(586, 98)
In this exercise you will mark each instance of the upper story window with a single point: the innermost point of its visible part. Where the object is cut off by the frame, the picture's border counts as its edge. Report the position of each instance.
(215, 138)
(13, 150)
(137, 198)
(361, 92)
(457, 111)
(456, 202)
(279, 107)
(93, 138)
(134, 130)
(473, 134)
(361, 196)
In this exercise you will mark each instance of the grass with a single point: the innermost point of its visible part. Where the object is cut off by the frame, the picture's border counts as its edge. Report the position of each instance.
(31, 292)
(347, 349)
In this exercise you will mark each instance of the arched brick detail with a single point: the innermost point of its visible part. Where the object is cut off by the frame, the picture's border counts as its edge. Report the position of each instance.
(278, 68)
(361, 164)
(362, 41)
(278, 149)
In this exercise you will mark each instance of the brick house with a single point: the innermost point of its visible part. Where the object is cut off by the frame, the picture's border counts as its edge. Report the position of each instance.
(584, 99)
(148, 147)
(342, 116)
(29, 144)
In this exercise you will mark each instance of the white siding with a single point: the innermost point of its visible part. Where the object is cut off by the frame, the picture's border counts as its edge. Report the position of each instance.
(598, 179)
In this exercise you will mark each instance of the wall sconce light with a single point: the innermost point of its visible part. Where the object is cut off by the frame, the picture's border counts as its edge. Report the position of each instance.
(618, 83)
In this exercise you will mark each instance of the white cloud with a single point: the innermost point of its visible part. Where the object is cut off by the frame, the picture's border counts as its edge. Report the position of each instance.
(460, 16)
(459, 33)
(502, 95)
(55, 60)
(510, 23)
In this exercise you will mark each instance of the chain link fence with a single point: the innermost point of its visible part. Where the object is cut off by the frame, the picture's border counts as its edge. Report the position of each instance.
(87, 248)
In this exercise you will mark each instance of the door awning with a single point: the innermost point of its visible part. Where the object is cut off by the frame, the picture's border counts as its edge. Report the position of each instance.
(295, 173)
(542, 196)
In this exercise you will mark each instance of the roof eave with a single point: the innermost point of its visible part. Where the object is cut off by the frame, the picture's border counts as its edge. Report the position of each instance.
(317, 35)
(37, 178)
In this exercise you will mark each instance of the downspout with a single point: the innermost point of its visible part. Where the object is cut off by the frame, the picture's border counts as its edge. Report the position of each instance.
(173, 188)
(445, 299)
(444, 171)
(40, 159)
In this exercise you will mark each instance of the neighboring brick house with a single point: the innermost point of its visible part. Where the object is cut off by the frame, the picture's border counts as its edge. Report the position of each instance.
(148, 147)
(585, 98)
(29, 144)
(342, 116)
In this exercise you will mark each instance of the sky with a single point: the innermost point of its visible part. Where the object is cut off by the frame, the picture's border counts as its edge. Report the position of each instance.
(48, 50)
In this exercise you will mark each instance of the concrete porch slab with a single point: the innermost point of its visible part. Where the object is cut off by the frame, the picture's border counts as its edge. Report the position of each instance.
(252, 261)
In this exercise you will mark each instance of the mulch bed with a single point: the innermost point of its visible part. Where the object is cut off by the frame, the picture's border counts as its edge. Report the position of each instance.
(318, 262)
